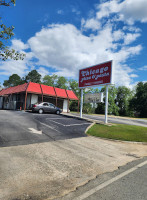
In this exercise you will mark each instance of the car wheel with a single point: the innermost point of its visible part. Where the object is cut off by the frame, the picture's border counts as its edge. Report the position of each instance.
(40, 111)
(57, 112)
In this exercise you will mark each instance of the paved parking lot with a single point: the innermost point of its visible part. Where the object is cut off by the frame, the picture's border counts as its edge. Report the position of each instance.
(21, 128)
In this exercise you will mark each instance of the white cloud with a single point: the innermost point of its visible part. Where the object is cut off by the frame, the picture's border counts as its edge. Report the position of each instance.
(18, 45)
(13, 67)
(91, 24)
(67, 49)
(127, 10)
(144, 68)
(60, 12)
(20, 67)
(133, 75)
(74, 10)
(129, 38)
(43, 71)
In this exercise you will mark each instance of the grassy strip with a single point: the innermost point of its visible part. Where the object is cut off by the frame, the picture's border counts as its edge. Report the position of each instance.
(119, 132)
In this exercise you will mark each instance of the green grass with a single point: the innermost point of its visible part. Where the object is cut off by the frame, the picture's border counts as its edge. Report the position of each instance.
(119, 132)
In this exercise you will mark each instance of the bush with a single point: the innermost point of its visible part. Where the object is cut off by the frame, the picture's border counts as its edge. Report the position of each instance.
(87, 108)
(100, 108)
(73, 106)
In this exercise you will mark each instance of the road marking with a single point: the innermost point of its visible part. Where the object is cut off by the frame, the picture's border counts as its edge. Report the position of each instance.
(58, 118)
(35, 131)
(49, 127)
(101, 186)
(77, 124)
(69, 124)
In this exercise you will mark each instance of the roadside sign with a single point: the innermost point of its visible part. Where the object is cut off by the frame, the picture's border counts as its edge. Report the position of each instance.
(93, 98)
(100, 74)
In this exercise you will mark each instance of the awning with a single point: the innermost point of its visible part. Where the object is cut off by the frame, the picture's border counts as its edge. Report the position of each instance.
(36, 88)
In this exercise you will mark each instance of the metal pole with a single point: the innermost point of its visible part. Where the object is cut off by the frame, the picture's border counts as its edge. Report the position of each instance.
(81, 107)
(106, 104)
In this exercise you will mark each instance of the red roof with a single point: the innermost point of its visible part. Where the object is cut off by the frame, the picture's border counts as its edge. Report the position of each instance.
(71, 95)
(15, 89)
(48, 90)
(34, 88)
(39, 89)
(61, 93)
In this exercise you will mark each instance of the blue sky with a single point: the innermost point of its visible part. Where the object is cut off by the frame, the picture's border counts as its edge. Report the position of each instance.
(62, 36)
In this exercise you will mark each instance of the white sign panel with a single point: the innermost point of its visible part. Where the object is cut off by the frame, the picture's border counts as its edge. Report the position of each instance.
(93, 98)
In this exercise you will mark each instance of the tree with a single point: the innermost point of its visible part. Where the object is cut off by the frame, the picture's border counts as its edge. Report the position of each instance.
(61, 82)
(139, 102)
(73, 85)
(112, 106)
(7, 3)
(33, 76)
(124, 95)
(50, 80)
(6, 33)
(13, 80)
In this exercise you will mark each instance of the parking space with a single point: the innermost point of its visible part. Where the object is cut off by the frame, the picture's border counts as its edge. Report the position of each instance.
(64, 127)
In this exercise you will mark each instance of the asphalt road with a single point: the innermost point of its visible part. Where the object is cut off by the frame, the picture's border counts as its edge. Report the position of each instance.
(127, 183)
(117, 120)
(21, 128)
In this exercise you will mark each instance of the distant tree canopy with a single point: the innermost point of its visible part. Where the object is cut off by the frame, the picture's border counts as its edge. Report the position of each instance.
(33, 76)
(61, 82)
(7, 2)
(50, 80)
(139, 102)
(13, 80)
(6, 33)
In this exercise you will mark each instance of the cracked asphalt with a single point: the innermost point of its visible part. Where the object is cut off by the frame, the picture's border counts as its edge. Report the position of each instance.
(57, 158)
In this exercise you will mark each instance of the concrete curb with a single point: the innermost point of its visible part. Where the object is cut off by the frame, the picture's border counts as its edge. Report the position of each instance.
(89, 127)
(87, 119)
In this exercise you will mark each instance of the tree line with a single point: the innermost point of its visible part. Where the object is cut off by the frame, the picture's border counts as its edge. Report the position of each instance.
(122, 100)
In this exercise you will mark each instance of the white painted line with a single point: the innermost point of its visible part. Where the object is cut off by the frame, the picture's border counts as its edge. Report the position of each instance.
(35, 131)
(50, 127)
(57, 123)
(69, 124)
(101, 186)
(77, 124)
(57, 118)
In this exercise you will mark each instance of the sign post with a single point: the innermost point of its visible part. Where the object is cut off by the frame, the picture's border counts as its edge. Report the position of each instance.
(81, 107)
(106, 104)
(97, 75)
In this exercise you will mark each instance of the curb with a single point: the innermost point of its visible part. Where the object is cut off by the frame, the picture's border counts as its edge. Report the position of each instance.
(87, 119)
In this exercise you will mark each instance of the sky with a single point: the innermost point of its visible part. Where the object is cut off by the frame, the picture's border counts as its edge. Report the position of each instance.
(62, 36)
